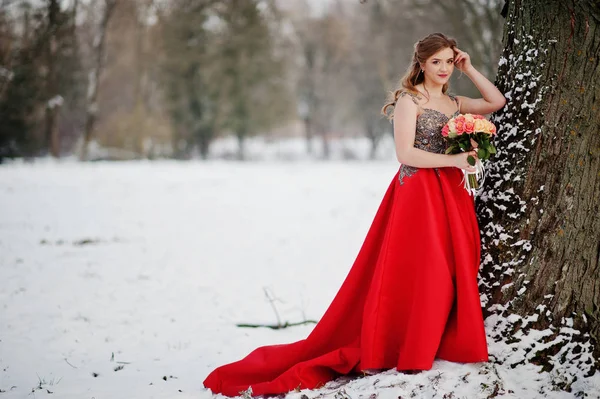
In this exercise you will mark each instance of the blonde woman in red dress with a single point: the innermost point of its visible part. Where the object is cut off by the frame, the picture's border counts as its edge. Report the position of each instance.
(411, 295)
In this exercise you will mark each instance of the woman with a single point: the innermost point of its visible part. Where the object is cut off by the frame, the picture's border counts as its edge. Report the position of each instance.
(411, 295)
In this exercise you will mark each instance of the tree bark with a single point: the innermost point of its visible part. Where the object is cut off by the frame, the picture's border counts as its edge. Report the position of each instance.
(540, 212)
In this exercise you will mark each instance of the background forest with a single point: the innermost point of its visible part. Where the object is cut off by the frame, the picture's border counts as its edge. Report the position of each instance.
(144, 79)
(131, 279)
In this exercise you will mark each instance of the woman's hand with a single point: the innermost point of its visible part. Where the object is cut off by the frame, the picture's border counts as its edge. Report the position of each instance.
(462, 60)
(460, 160)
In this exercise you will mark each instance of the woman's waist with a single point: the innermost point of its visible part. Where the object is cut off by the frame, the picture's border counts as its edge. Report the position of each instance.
(441, 168)
(409, 172)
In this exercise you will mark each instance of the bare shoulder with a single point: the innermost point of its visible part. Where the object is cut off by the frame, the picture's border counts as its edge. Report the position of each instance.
(408, 98)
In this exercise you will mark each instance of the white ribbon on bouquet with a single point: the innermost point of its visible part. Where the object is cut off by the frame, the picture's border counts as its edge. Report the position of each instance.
(479, 174)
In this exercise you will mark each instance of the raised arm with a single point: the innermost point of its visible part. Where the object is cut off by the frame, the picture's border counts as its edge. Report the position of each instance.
(492, 99)
(405, 124)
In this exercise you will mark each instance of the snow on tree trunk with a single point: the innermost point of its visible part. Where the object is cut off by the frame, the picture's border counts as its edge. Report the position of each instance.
(540, 212)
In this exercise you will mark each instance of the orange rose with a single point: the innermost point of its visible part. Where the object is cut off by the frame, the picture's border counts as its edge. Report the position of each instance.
(469, 126)
(460, 126)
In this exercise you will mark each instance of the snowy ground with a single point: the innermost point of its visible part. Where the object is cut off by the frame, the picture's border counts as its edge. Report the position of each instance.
(126, 280)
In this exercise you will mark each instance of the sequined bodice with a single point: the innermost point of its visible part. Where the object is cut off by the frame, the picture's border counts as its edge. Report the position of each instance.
(428, 133)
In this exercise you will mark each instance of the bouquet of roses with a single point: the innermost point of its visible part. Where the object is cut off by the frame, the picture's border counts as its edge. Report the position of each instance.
(462, 133)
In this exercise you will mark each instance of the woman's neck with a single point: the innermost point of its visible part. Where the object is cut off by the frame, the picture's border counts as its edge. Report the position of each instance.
(433, 90)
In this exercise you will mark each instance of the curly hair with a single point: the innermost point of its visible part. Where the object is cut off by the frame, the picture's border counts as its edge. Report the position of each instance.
(424, 49)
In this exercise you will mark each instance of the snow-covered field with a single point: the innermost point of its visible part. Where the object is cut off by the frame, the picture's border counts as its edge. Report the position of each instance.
(126, 280)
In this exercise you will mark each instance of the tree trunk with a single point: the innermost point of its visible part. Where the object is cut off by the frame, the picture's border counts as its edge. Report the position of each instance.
(371, 132)
(53, 100)
(241, 136)
(326, 145)
(52, 134)
(540, 212)
(204, 146)
(308, 134)
(94, 78)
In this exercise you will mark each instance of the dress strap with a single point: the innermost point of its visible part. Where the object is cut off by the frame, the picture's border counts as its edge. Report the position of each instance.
(412, 96)
(452, 96)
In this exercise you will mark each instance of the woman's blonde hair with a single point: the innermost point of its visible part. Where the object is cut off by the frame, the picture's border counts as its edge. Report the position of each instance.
(424, 49)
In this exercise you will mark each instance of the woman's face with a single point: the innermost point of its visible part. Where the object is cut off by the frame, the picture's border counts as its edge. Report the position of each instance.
(438, 68)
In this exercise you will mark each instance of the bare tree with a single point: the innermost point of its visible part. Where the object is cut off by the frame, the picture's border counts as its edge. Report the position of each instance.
(370, 70)
(95, 75)
(54, 100)
(6, 49)
(324, 83)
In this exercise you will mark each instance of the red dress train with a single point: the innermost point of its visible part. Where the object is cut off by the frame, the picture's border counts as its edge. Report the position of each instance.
(410, 297)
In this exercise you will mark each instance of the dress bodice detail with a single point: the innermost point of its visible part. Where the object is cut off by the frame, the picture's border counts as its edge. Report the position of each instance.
(428, 136)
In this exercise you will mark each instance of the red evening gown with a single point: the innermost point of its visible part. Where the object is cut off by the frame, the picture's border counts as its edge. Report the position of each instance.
(410, 297)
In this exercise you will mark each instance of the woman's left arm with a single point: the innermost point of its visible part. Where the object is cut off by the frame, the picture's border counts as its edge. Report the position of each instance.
(492, 99)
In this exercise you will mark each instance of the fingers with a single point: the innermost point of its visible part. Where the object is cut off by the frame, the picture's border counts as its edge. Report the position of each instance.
(466, 165)
(461, 53)
(470, 168)
(461, 56)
